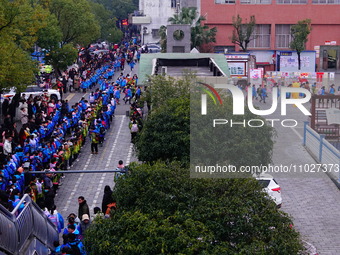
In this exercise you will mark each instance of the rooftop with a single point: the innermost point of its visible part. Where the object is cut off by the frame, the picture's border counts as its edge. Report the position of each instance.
(176, 62)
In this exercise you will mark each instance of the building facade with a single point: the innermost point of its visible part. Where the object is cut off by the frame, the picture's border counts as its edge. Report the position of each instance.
(153, 14)
(273, 21)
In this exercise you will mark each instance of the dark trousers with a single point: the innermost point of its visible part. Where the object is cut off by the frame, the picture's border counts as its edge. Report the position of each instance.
(94, 147)
(133, 136)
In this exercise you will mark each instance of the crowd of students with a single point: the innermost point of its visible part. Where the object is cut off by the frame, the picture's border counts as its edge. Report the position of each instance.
(53, 134)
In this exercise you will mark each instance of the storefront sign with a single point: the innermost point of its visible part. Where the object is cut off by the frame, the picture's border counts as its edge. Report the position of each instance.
(285, 53)
(330, 42)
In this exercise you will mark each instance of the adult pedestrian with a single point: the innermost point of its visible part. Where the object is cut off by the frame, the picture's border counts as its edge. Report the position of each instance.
(132, 65)
(331, 92)
(263, 94)
(94, 136)
(254, 92)
(24, 115)
(49, 196)
(8, 146)
(83, 226)
(107, 198)
(83, 207)
(5, 106)
(134, 130)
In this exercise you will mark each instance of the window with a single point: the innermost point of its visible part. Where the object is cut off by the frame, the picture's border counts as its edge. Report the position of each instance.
(260, 37)
(224, 1)
(256, 1)
(155, 33)
(291, 1)
(223, 49)
(326, 1)
(173, 3)
(282, 36)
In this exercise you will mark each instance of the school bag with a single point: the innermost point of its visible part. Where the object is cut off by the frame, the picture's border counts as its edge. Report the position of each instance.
(134, 128)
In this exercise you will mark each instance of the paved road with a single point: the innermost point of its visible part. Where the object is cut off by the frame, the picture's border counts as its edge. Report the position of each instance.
(311, 199)
(116, 147)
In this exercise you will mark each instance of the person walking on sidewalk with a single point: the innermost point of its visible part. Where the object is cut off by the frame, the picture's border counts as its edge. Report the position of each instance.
(263, 94)
(132, 64)
(83, 207)
(94, 136)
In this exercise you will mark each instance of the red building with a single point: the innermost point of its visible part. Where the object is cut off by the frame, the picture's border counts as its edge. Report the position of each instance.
(274, 19)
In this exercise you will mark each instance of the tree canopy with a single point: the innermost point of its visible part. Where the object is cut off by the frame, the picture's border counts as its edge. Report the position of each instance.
(176, 122)
(77, 22)
(119, 8)
(243, 32)
(299, 33)
(19, 23)
(162, 210)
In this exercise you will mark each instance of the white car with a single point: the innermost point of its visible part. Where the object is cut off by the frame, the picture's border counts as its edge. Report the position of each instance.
(35, 91)
(152, 48)
(98, 52)
(271, 187)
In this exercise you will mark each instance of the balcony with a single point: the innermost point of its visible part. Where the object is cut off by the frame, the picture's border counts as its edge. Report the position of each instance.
(138, 18)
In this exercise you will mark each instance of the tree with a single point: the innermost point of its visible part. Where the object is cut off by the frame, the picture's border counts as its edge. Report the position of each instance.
(107, 22)
(162, 210)
(162, 34)
(243, 32)
(175, 120)
(19, 23)
(115, 35)
(50, 36)
(299, 33)
(119, 8)
(77, 22)
(166, 133)
(200, 34)
(61, 58)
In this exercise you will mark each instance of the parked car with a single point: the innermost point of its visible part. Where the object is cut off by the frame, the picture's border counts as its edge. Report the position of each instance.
(152, 48)
(98, 52)
(271, 187)
(35, 91)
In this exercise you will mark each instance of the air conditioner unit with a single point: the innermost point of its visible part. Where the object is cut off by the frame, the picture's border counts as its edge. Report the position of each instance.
(164, 70)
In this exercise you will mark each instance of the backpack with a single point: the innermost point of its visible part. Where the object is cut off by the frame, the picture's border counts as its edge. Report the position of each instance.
(134, 128)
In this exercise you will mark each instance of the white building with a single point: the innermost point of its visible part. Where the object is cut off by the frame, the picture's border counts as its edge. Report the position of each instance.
(153, 14)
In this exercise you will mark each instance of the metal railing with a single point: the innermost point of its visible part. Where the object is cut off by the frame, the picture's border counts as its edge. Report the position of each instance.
(20, 227)
(322, 150)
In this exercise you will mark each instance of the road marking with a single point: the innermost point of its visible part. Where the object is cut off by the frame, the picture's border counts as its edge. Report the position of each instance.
(129, 154)
(70, 96)
(101, 182)
(71, 197)
(297, 133)
(115, 142)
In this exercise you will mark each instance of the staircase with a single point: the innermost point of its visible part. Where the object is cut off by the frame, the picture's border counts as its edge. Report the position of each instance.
(28, 232)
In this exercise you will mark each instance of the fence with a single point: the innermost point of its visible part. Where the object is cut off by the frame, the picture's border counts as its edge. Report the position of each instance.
(322, 150)
(19, 230)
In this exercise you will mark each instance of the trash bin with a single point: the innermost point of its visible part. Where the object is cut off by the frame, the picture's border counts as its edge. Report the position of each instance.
(127, 113)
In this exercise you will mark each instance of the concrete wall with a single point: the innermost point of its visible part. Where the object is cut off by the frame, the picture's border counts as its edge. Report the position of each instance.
(172, 42)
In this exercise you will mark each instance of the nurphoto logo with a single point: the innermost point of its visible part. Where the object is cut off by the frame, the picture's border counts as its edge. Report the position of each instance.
(239, 102)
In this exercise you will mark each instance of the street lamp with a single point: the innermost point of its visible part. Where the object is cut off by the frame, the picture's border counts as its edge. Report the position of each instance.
(144, 32)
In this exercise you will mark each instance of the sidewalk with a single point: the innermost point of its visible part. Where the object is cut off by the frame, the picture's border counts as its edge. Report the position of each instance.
(311, 199)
